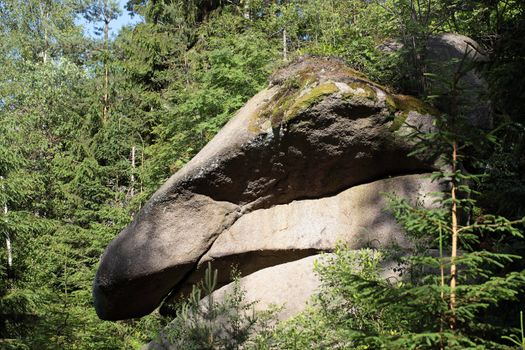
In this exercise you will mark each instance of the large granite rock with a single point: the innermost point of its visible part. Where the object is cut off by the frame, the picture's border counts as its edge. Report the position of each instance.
(317, 130)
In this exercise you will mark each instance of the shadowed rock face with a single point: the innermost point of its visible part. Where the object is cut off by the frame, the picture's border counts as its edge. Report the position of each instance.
(131, 280)
(318, 130)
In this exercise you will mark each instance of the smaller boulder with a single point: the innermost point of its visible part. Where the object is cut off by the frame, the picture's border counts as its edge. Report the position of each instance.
(448, 55)
(288, 286)
(445, 55)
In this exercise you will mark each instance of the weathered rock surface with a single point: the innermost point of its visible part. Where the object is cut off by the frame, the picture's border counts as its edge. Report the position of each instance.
(319, 129)
(357, 217)
(147, 254)
(288, 285)
(447, 55)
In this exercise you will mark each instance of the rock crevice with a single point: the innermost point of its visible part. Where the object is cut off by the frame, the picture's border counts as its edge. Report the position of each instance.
(356, 217)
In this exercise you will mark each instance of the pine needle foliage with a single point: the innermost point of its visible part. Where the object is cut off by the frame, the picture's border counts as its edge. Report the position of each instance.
(204, 322)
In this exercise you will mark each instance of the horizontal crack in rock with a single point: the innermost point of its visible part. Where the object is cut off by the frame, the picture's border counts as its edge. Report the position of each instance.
(253, 260)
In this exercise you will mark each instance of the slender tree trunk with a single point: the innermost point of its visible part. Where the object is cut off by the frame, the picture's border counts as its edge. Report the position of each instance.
(8, 245)
(141, 167)
(44, 18)
(132, 177)
(285, 45)
(442, 320)
(453, 256)
(453, 195)
(141, 164)
(441, 265)
(7, 238)
(186, 68)
(106, 72)
(246, 10)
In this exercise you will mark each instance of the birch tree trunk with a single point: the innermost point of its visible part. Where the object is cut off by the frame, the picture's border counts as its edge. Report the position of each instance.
(7, 237)
(246, 9)
(106, 72)
(44, 16)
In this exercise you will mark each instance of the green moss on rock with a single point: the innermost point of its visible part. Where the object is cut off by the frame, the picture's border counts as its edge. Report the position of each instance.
(360, 89)
(272, 114)
(390, 103)
(309, 99)
(402, 105)
(302, 87)
(409, 103)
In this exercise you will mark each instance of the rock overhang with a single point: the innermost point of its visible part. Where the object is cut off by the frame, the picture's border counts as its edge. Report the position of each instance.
(356, 217)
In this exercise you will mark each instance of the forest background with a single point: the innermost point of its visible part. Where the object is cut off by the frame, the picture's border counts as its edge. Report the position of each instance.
(91, 126)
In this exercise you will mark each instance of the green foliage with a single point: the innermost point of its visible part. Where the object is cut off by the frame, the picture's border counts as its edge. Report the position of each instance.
(69, 182)
(358, 308)
(337, 314)
(206, 323)
(503, 187)
(39, 31)
(58, 167)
